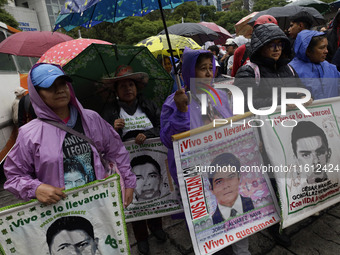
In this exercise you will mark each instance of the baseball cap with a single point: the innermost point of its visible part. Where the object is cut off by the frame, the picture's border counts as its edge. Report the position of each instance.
(19, 91)
(44, 75)
(230, 41)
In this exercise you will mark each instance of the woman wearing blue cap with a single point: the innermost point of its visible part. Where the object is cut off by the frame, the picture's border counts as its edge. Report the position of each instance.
(35, 166)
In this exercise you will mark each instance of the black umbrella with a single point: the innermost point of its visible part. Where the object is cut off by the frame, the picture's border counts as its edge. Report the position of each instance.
(283, 15)
(196, 31)
(317, 4)
(335, 4)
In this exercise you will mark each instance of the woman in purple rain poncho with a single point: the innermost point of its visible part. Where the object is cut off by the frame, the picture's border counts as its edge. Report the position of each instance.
(177, 115)
(35, 166)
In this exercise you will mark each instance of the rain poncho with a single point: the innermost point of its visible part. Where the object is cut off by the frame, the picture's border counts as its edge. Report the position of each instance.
(174, 121)
(320, 79)
(37, 156)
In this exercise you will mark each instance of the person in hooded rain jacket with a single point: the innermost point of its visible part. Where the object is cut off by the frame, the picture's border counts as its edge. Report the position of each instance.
(319, 76)
(35, 166)
(270, 51)
(178, 115)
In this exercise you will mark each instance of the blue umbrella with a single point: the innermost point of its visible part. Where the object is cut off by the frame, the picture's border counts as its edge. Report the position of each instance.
(88, 13)
(92, 12)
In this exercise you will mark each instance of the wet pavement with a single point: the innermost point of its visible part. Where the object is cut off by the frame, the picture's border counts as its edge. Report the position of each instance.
(316, 235)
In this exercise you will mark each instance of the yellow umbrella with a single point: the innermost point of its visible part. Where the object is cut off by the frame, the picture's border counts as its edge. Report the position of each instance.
(158, 45)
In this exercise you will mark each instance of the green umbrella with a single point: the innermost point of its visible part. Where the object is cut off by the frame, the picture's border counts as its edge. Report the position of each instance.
(98, 61)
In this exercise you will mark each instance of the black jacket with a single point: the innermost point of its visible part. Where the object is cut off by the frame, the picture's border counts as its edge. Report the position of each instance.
(112, 112)
(25, 112)
(247, 205)
(279, 72)
(332, 38)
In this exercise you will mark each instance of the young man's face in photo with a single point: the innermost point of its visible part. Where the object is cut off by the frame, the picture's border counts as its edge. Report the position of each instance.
(76, 242)
(74, 179)
(148, 181)
(225, 187)
(312, 153)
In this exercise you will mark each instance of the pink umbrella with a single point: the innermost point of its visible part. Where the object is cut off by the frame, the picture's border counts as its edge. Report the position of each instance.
(63, 53)
(223, 33)
(31, 43)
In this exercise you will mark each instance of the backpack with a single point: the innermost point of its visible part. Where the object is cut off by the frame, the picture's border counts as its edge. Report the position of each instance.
(257, 71)
(246, 54)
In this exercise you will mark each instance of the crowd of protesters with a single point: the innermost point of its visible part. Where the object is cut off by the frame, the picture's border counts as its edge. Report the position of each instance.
(299, 53)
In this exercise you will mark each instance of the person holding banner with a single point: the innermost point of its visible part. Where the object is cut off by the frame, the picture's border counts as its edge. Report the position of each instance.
(320, 77)
(131, 115)
(224, 184)
(136, 118)
(178, 115)
(268, 68)
(35, 166)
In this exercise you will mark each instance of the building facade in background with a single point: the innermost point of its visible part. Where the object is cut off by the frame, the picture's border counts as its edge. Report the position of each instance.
(217, 3)
(35, 15)
(40, 15)
(226, 5)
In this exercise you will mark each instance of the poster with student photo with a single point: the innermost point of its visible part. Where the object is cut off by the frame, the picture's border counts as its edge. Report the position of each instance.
(156, 194)
(305, 151)
(90, 220)
(225, 195)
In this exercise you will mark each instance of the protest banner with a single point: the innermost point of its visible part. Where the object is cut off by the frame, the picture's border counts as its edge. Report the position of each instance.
(90, 219)
(156, 194)
(223, 204)
(304, 154)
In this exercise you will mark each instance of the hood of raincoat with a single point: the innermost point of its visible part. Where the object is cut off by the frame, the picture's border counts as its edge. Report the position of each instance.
(262, 35)
(41, 109)
(189, 62)
(302, 41)
(321, 79)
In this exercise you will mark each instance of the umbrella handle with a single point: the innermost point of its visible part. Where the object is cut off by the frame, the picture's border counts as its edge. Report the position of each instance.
(189, 96)
(178, 81)
(116, 51)
(167, 37)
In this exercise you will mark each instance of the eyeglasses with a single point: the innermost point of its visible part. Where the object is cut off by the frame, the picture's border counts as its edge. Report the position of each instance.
(274, 46)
